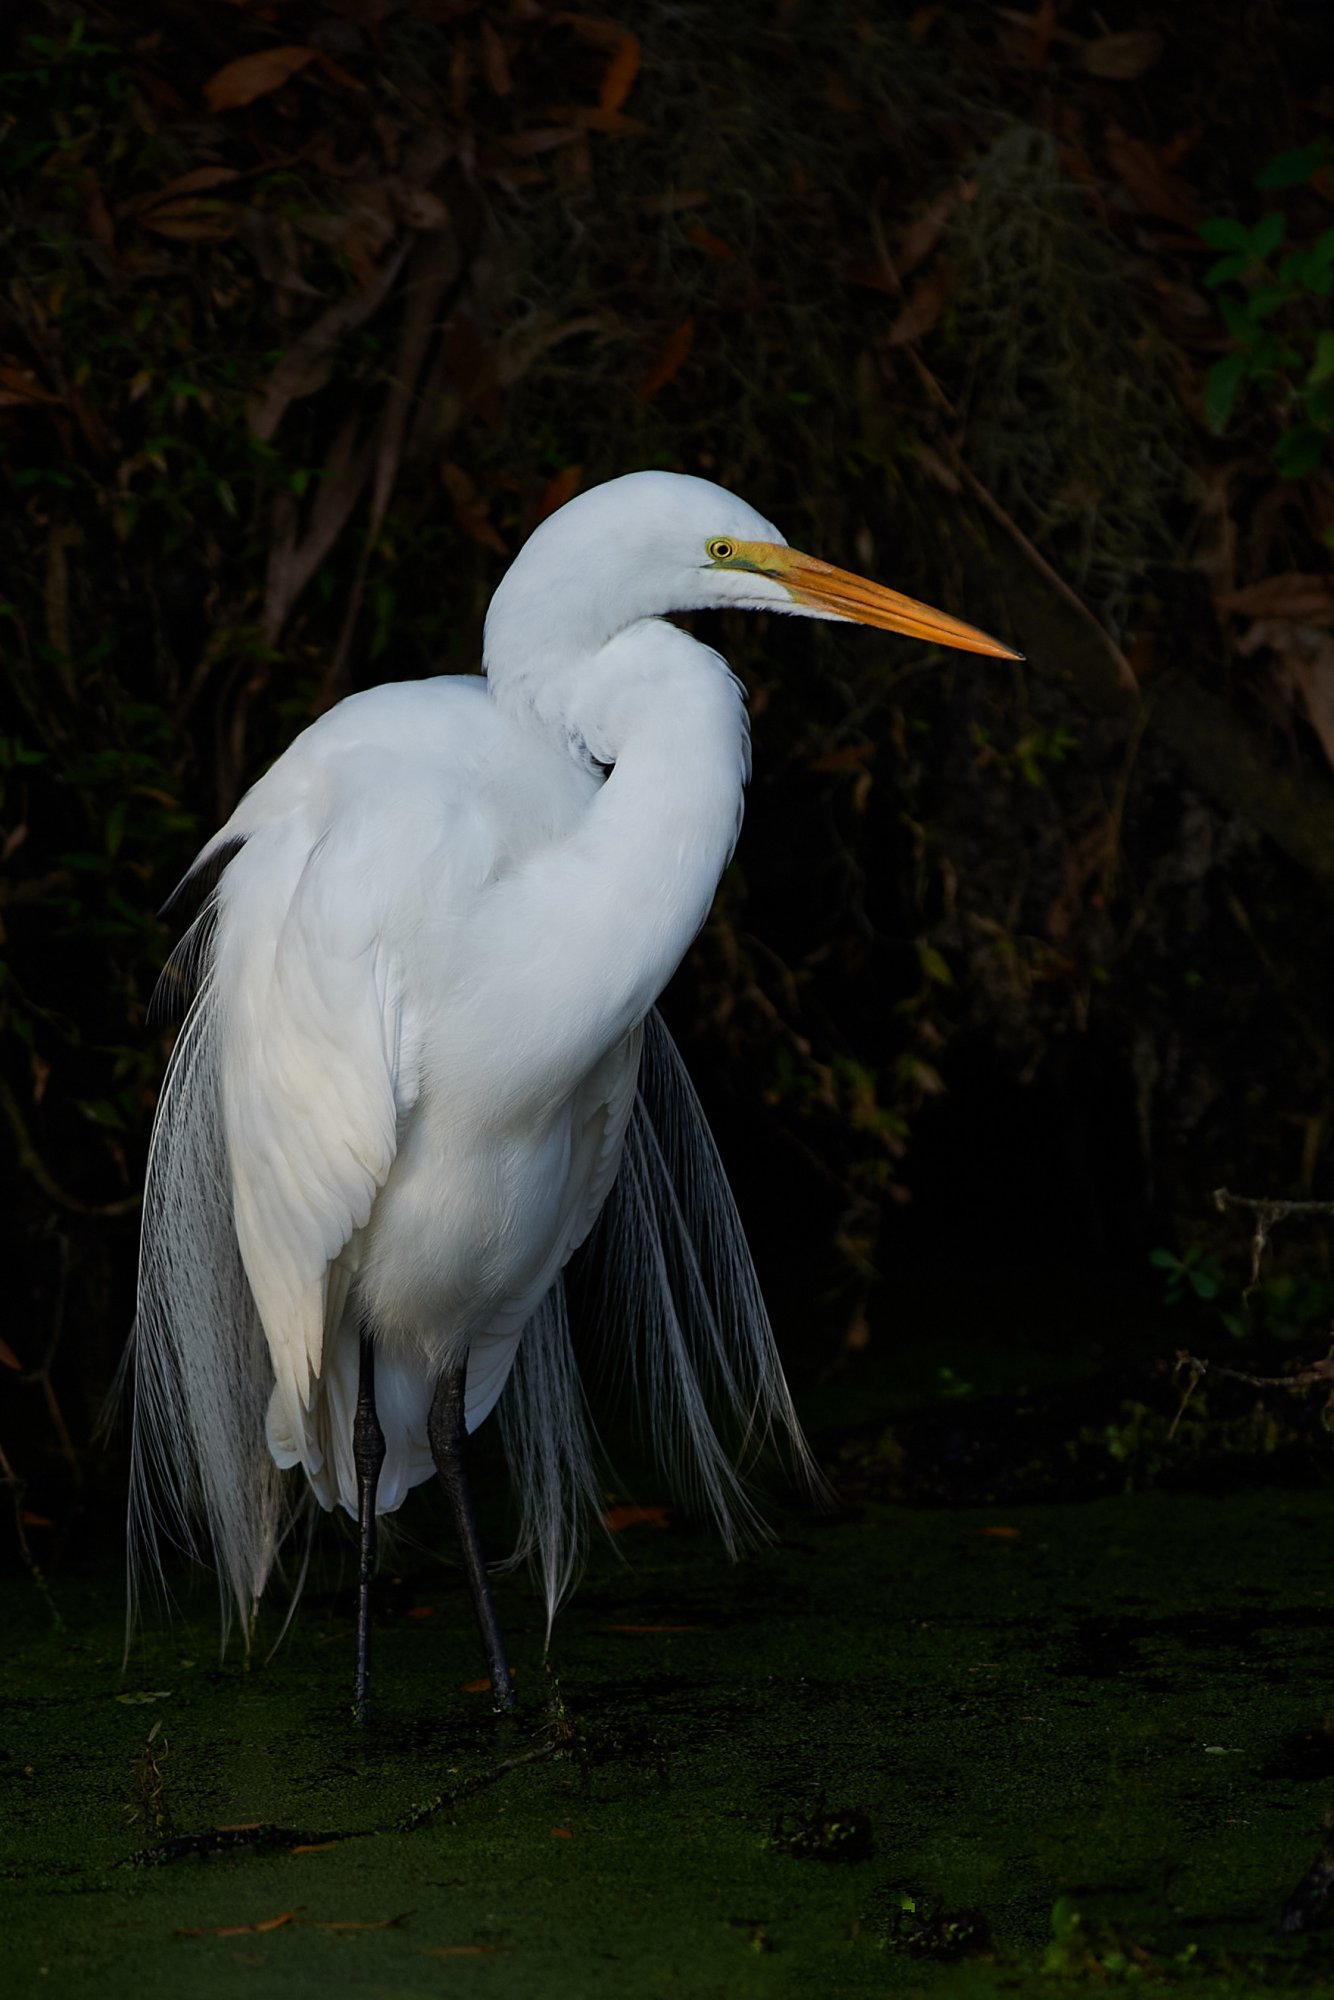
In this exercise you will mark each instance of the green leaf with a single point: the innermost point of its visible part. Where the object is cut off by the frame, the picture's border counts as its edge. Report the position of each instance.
(1299, 451)
(933, 965)
(1237, 313)
(1222, 385)
(1320, 406)
(1203, 1285)
(1227, 268)
(1267, 235)
(1224, 232)
(1268, 298)
(1292, 169)
(1323, 365)
(1164, 1260)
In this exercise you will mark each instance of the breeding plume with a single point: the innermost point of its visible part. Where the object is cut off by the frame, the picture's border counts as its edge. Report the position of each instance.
(421, 1061)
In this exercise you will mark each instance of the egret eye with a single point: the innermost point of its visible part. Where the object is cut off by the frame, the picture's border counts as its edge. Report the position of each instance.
(722, 551)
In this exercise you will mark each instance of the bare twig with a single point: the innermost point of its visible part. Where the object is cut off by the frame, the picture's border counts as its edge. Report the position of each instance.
(267, 1834)
(1125, 673)
(1267, 1210)
(1315, 1375)
(30, 1160)
(17, 1488)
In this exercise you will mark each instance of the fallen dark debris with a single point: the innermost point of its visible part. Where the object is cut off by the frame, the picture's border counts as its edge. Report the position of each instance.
(1117, 1431)
(841, 1833)
(920, 1927)
(237, 1839)
(757, 1932)
(267, 1834)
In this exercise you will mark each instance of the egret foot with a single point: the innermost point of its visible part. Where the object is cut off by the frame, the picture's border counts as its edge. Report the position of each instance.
(448, 1436)
(367, 1457)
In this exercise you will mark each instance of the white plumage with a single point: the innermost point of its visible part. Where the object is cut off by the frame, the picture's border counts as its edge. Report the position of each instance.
(406, 1082)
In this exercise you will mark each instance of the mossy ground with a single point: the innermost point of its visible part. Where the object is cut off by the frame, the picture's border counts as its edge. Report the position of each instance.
(1117, 1707)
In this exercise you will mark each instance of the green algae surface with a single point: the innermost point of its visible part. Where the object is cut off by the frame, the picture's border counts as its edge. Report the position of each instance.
(1076, 1745)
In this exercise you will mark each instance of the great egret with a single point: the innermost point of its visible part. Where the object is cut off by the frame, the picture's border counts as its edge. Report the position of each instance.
(410, 1072)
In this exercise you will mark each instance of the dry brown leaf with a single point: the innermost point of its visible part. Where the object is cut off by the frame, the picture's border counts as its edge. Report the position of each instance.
(593, 27)
(471, 515)
(304, 368)
(936, 468)
(495, 62)
(336, 73)
(674, 202)
(1313, 671)
(669, 360)
(1305, 599)
(241, 82)
(294, 558)
(466, 1950)
(1304, 657)
(472, 372)
(86, 417)
(20, 385)
(592, 118)
(705, 239)
(619, 78)
(1044, 27)
(542, 139)
(538, 336)
(614, 1519)
(877, 277)
(97, 215)
(925, 304)
(366, 1924)
(921, 236)
(478, 1687)
(8, 1358)
(242, 1930)
(562, 487)
(195, 182)
(848, 757)
(190, 221)
(1121, 57)
(417, 206)
(1153, 189)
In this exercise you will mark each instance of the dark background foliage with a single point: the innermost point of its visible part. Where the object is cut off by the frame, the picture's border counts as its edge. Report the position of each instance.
(310, 309)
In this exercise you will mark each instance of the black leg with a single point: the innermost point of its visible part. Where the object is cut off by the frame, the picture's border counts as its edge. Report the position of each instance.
(449, 1437)
(368, 1457)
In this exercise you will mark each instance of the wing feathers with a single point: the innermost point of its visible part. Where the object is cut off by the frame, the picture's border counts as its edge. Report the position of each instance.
(318, 1054)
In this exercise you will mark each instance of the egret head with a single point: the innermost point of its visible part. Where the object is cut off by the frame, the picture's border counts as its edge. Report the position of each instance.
(655, 542)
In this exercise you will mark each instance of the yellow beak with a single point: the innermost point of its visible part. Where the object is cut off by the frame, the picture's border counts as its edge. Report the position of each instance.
(838, 591)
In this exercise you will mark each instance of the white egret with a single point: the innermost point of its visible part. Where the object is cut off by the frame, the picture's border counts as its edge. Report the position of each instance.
(410, 1073)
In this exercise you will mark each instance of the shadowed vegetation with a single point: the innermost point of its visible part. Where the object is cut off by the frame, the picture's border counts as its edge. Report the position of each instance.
(311, 312)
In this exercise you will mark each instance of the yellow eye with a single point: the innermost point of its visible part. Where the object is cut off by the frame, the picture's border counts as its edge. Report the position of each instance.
(722, 551)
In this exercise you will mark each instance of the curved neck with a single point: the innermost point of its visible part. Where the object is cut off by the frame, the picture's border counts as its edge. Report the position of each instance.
(607, 913)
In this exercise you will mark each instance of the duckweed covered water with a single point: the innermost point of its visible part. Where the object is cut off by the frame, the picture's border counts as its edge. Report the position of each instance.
(1087, 1742)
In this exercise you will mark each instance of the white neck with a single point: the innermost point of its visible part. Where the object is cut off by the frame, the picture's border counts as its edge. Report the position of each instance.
(607, 914)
